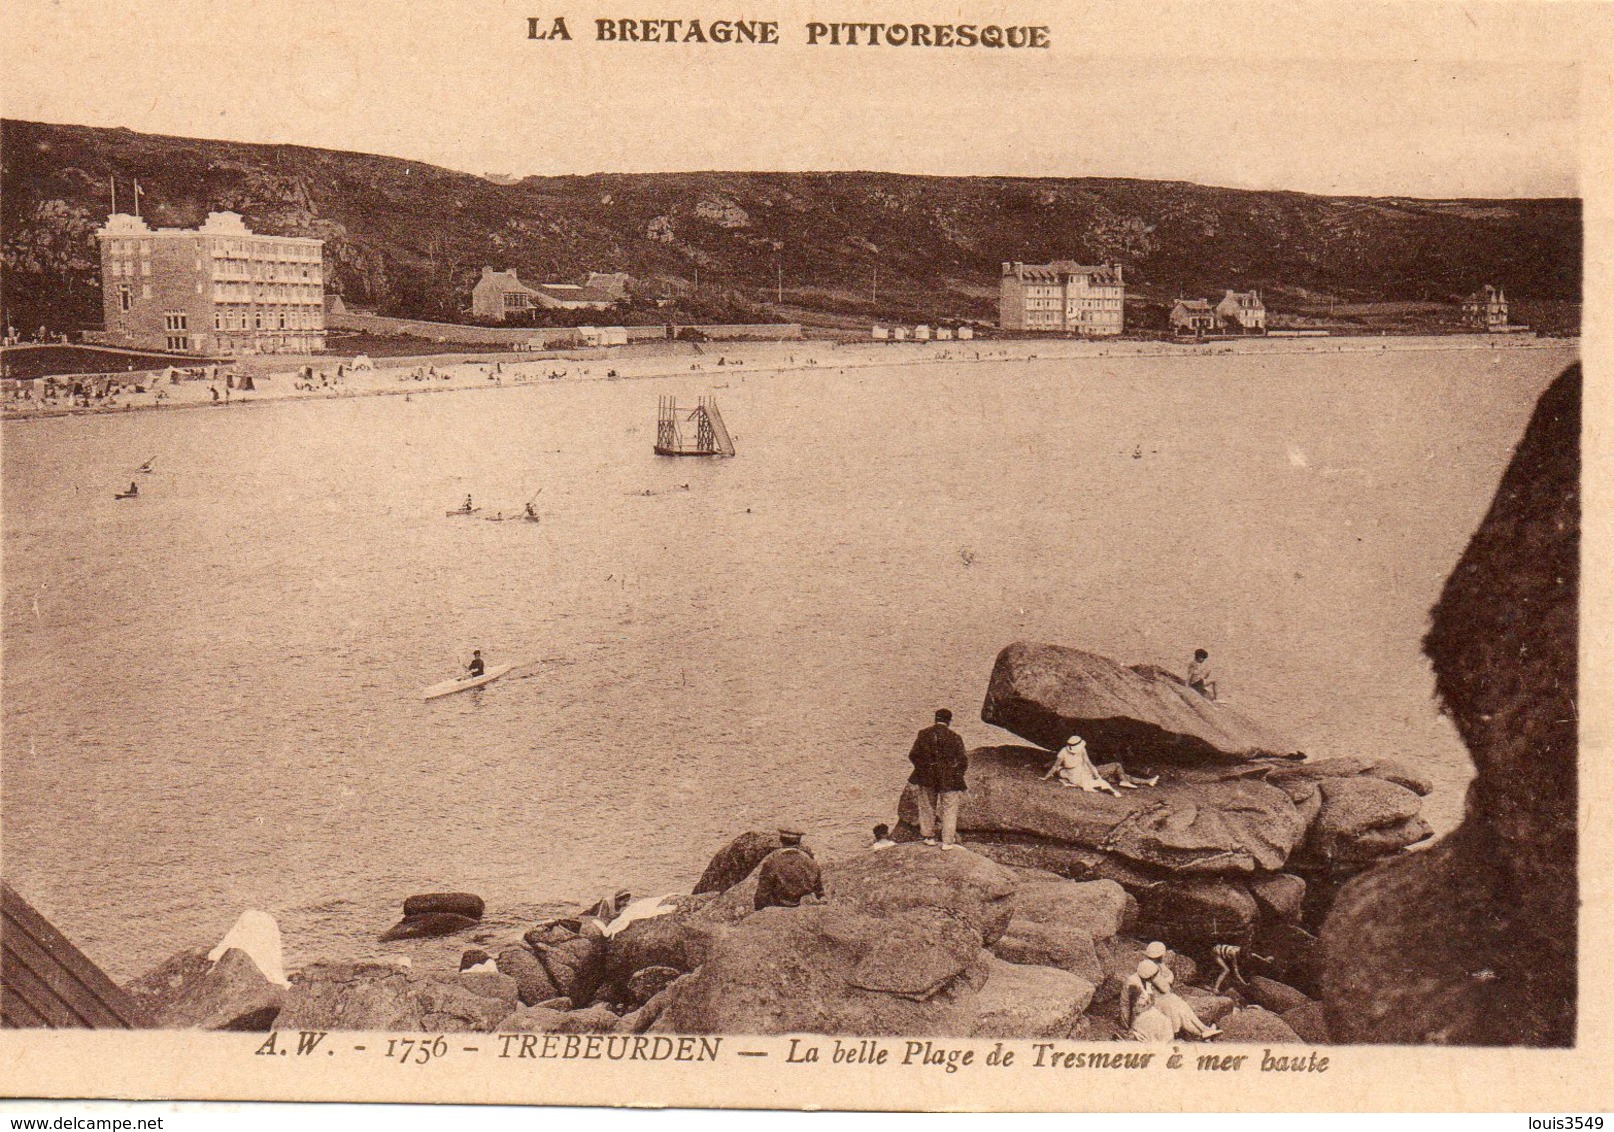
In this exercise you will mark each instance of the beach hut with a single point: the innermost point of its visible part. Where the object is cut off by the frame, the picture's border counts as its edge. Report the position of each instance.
(965, 333)
(881, 334)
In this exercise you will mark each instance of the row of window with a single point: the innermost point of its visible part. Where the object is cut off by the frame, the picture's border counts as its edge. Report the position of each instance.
(127, 267)
(256, 269)
(226, 318)
(312, 293)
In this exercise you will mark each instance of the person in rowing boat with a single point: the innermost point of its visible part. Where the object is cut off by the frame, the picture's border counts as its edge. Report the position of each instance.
(475, 668)
(134, 488)
(466, 506)
(532, 513)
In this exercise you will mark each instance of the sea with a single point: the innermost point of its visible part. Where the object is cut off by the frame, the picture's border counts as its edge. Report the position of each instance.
(212, 693)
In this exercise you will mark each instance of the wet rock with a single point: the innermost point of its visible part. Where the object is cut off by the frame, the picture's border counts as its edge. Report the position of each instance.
(647, 982)
(916, 958)
(790, 970)
(1363, 818)
(1196, 911)
(1102, 909)
(428, 926)
(1275, 996)
(1192, 823)
(533, 984)
(593, 1020)
(1350, 766)
(531, 1020)
(351, 996)
(471, 1003)
(1210, 1008)
(1068, 948)
(192, 992)
(736, 860)
(454, 903)
(1309, 1022)
(375, 996)
(572, 953)
(1278, 895)
(965, 884)
(1474, 940)
(1030, 1002)
(1045, 693)
(1252, 1025)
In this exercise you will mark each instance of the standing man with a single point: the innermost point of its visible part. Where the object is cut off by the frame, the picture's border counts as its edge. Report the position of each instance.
(939, 763)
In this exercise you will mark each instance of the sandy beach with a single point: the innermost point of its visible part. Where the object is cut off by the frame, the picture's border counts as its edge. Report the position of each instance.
(283, 377)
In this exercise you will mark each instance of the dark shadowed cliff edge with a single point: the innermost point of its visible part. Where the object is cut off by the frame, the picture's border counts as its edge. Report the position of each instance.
(408, 238)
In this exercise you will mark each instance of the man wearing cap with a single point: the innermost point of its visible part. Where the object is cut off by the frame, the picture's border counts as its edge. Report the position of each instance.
(939, 763)
(788, 875)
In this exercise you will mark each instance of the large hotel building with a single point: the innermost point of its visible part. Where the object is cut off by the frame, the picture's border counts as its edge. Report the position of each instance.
(1063, 297)
(217, 289)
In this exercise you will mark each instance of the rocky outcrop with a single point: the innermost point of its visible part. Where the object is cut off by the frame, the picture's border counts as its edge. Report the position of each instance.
(1254, 1025)
(572, 954)
(375, 996)
(1135, 716)
(830, 969)
(428, 926)
(968, 887)
(1364, 818)
(192, 992)
(736, 860)
(1473, 941)
(1192, 823)
(1030, 1002)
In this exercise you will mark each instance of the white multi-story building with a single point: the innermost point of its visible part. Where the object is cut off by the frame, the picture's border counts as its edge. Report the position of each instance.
(1063, 297)
(217, 289)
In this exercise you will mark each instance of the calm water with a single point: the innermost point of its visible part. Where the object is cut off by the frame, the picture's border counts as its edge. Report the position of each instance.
(211, 694)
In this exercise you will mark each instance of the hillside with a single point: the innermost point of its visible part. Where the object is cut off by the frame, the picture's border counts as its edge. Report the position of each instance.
(409, 238)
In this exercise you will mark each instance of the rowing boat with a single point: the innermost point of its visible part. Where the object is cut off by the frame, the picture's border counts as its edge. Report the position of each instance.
(463, 511)
(466, 683)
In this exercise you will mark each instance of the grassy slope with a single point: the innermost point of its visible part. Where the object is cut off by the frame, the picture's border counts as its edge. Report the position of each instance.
(410, 238)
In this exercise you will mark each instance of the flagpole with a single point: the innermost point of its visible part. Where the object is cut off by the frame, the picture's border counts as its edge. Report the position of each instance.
(114, 181)
(137, 196)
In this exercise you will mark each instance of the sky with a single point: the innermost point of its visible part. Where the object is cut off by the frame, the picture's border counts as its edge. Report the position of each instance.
(1427, 99)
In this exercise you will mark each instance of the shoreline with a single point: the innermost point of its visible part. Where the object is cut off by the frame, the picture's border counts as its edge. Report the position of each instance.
(475, 370)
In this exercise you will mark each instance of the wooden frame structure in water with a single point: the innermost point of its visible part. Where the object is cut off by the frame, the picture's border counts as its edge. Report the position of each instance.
(711, 434)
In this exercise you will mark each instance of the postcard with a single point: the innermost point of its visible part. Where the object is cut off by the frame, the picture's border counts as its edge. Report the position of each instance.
(912, 556)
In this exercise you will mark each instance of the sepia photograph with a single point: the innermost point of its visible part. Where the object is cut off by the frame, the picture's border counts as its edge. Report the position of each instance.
(800, 557)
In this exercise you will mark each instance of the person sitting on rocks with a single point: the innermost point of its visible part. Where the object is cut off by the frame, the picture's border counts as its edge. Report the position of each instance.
(788, 875)
(1140, 1010)
(1199, 675)
(1168, 1001)
(1075, 768)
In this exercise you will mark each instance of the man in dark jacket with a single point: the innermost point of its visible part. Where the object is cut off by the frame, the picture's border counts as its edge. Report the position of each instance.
(939, 763)
(788, 875)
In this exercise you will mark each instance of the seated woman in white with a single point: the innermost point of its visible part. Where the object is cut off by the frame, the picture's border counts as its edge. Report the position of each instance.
(1074, 768)
(1140, 1008)
(1177, 1011)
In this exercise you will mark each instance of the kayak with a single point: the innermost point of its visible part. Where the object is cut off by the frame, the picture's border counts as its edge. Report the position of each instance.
(127, 495)
(466, 683)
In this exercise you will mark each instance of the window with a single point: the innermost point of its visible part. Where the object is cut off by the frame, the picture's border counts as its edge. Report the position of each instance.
(218, 320)
(257, 320)
(145, 290)
(125, 300)
(282, 320)
(145, 267)
(179, 342)
(176, 320)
